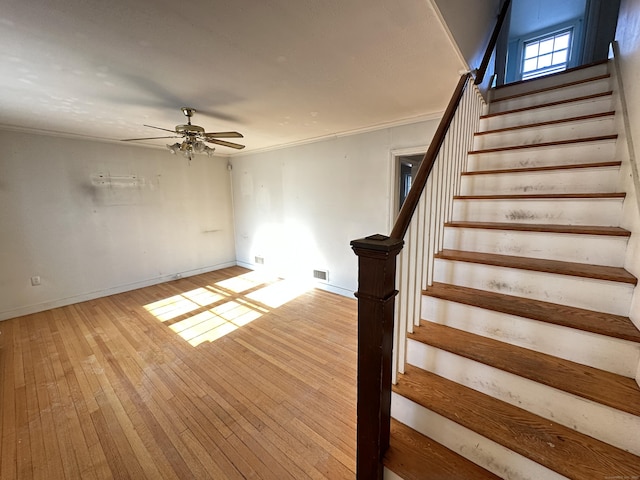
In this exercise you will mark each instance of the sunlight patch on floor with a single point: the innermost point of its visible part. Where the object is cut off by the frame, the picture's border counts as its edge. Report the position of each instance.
(172, 307)
(277, 294)
(222, 308)
(246, 281)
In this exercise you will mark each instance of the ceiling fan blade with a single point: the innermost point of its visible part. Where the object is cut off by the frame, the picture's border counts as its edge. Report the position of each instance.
(237, 146)
(148, 138)
(223, 134)
(160, 128)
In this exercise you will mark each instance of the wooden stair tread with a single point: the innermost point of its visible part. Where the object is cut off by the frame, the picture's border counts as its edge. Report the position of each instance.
(540, 227)
(544, 124)
(561, 449)
(614, 274)
(553, 87)
(600, 386)
(557, 74)
(410, 454)
(543, 169)
(601, 323)
(544, 144)
(551, 104)
(542, 196)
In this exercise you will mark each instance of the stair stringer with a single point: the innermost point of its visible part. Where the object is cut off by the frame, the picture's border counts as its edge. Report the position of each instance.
(630, 183)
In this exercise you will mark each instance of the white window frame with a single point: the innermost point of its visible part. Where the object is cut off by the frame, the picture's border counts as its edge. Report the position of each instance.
(547, 70)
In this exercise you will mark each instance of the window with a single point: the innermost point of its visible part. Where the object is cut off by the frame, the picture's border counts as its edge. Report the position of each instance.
(546, 55)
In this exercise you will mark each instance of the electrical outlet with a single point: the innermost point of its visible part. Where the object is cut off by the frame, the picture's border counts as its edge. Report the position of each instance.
(35, 281)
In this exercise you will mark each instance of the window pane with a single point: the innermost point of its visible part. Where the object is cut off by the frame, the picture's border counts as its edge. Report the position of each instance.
(546, 55)
(546, 46)
(544, 61)
(530, 64)
(562, 42)
(531, 50)
(559, 57)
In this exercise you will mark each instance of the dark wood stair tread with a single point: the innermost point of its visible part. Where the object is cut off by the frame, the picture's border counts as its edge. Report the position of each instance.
(560, 121)
(552, 87)
(544, 196)
(555, 143)
(548, 168)
(616, 391)
(615, 326)
(550, 104)
(411, 455)
(613, 274)
(559, 448)
(544, 227)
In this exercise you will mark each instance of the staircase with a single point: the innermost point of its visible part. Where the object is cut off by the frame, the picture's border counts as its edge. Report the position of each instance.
(523, 366)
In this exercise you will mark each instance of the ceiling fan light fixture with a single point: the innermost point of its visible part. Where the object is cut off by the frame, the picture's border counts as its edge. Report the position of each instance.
(174, 149)
(194, 138)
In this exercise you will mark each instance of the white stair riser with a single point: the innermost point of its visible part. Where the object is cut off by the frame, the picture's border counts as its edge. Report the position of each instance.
(578, 180)
(605, 212)
(547, 133)
(547, 114)
(556, 95)
(591, 418)
(484, 452)
(550, 81)
(589, 293)
(592, 249)
(389, 475)
(570, 154)
(598, 351)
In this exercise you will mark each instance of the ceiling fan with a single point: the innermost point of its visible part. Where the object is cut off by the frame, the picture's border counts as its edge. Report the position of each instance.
(194, 137)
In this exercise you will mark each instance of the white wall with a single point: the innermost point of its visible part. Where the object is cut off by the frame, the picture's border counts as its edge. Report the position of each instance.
(299, 207)
(471, 23)
(85, 239)
(628, 38)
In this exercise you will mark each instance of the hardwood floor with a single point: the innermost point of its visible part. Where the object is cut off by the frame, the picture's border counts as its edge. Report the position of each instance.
(138, 385)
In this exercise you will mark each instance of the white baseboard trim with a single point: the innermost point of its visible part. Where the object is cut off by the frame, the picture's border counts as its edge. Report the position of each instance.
(345, 292)
(83, 297)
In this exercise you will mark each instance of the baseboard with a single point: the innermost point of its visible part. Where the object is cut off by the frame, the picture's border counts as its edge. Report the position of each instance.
(83, 297)
(345, 292)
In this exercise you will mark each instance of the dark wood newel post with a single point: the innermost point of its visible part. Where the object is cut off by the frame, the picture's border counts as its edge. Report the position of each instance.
(376, 298)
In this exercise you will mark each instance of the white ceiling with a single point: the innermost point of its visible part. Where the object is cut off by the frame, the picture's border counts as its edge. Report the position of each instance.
(279, 71)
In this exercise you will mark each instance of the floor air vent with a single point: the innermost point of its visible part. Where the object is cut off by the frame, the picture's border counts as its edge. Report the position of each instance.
(259, 260)
(322, 275)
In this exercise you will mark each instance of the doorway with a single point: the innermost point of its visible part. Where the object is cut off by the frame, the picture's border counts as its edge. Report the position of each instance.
(403, 167)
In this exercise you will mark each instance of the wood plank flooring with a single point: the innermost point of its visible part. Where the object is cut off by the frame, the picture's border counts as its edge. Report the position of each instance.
(138, 385)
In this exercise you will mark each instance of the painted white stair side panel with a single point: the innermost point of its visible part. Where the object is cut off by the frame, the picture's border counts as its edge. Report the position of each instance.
(605, 212)
(569, 154)
(556, 95)
(580, 248)
(389, 475)
(575, 129)
(482, 451)
(588, 293)
(598, 351)
(547, 114)
(551, 81)
(604, 423)
(577, 180)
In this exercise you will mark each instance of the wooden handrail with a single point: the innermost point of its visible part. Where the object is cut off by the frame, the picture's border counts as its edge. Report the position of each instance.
(492, 43)
(413, 197)
(377, 255)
